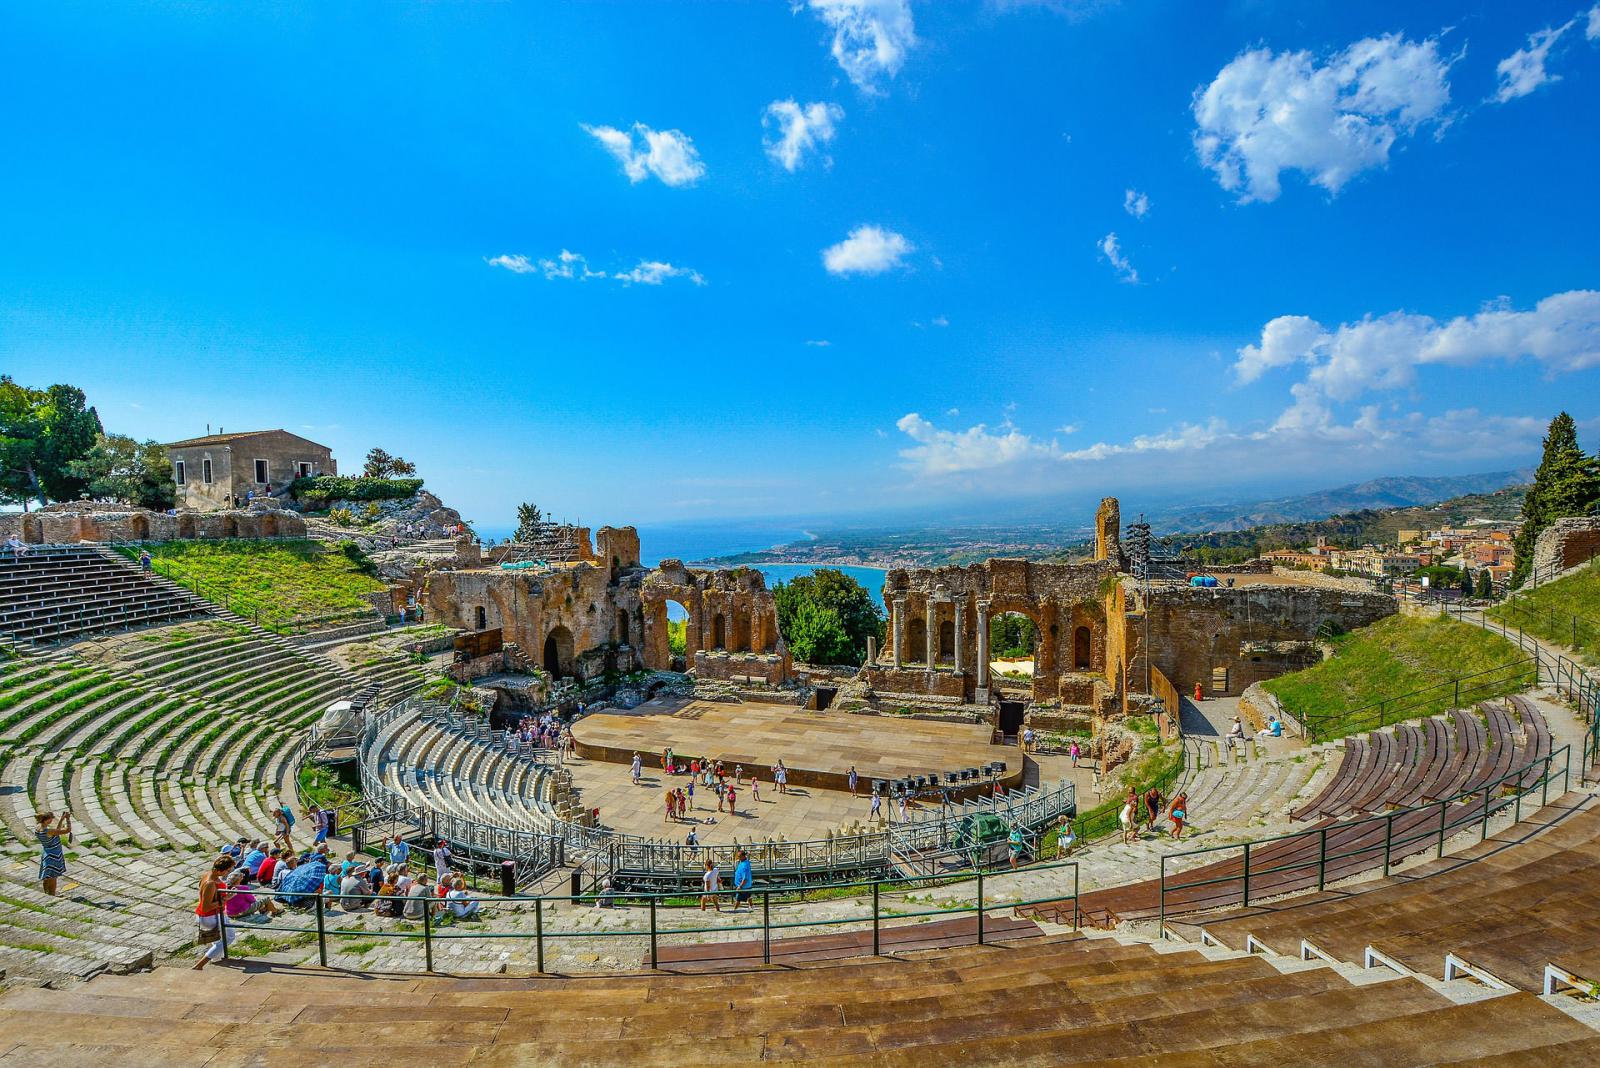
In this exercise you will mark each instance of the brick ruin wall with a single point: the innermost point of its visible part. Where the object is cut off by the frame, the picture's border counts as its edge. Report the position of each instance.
(72, 523)
(1566, 543)
(1251, 632)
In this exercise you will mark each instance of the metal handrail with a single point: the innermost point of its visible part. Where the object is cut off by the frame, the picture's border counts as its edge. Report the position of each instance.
(1392, 710)
(981, 907)
(1441, 832)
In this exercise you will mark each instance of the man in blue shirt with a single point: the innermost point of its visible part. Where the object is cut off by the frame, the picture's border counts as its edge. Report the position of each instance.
(253, 859)
(743, 879)
(399, 851)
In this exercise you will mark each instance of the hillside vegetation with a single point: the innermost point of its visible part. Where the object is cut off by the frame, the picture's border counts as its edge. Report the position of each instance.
(1400, 668)
(1565, 612)
(281, 584)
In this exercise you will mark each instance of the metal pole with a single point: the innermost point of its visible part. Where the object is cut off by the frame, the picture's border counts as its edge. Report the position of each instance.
(1388, 843)
(1443, 808)
(1484, 833)
(1322, 860)
(1246, 902)
(654, 963)
(427, 937)
(322, 934)
(538, 933)
(1161, 906)
(222, 927)
(877, 948)
(766, 927)
(980, 906)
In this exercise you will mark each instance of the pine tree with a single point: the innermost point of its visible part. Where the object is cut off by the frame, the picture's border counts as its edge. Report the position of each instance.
(1485, 586)
(1567, 483)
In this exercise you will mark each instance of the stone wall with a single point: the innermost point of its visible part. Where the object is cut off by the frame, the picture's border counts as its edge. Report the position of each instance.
(94, 521)
(1253, 632)
(1566, 543)
(728, 611)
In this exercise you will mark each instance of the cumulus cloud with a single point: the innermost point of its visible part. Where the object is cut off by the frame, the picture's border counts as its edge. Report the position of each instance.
(870, 37)
(569, 265)
(819, 343)
(868, 250)
(1562, 332)
(1268, 112)
(939, 452)
(1135, 203)
(796, 130)
(1183, 437)
(1111, 249)
(1592, 30)
(670, 155)
(1523, 71)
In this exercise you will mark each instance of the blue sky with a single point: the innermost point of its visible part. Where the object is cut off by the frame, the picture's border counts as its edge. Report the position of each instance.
(822, 258)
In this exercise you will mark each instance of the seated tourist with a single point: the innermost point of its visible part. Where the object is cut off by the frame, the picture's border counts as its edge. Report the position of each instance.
(462, 906)
(388, 903)
(253, 858)
(1273, 729)
(416, 899)
(355, 892)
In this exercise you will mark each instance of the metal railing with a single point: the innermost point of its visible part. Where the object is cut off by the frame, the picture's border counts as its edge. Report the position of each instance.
(1550, 571)
(1450, 693)
(1291, 856)
(438, 922)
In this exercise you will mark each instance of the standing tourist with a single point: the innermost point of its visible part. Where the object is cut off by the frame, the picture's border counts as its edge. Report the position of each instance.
(711, 882)
(743, 879)
(854, 780)
(733, 795)
(1179, 813)
(1027, 740)
(1014, 845)
(399, 851)
(1076, 750)
(690, 791)
(692, 841)
(638, 767)
(780, 775)
(755, 788)
(441, 859)
(672, 804)
(905, 815)
(683, 802)
(208, 914)
(1152, 806)
(52, 858)
(1130, 831)
(877, 805)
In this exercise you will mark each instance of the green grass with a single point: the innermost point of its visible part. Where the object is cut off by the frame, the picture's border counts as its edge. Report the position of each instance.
(280, 581)
(1401, 668)
(1565, 612)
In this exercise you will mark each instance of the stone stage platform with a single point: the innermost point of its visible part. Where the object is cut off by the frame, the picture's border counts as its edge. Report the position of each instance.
(817, 747)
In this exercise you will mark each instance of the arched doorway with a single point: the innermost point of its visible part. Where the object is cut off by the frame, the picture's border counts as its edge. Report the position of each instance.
(917, 639)
(1013, 649)
(1082, 649)
(622, 627)
(947, 639)
(719, 631)
(482, 618)
(558, 650)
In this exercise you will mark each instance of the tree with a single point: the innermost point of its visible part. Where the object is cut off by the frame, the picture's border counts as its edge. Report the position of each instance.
(812, 635)
(1567, 483)
(381, 465)
(1485, 586)
(1011, 634)
(125, 470)
(529, 520)
(1466, 582)
(41, 433)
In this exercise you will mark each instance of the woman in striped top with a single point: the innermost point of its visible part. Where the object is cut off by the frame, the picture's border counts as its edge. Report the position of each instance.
(52, 859)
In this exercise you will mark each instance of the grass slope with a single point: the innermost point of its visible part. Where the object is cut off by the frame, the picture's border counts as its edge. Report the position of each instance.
(280, 581)
(1565, 612)
(1400, 668)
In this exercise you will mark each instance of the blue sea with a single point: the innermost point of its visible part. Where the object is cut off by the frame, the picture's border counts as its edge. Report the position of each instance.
(696, 542)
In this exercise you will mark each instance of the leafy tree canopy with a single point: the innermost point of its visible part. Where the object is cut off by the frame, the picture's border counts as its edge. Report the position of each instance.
(1012, 635)
(42, 431)
(119, 468)
(1567, 483)
(381, 465)
(827, 617)
(529, 519)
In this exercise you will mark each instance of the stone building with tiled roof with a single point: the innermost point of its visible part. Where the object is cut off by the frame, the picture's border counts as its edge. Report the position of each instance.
(225, 470)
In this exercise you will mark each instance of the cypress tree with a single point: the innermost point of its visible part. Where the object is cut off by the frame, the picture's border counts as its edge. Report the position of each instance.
(1567, 483)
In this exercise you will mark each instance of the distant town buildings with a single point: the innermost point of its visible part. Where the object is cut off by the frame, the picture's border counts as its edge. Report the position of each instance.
(1480, 547)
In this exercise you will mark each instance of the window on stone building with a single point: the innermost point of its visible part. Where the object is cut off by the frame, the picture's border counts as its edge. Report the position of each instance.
(303, 469)
(261, 472)
(180, 474)
(205, 471)
(483, 618)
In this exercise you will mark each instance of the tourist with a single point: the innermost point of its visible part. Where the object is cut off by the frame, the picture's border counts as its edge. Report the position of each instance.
(330, 881)
(1027, 740)
(683, 802)
(1152, 806)
(264, 870)
(52, 858)
(1014, 845)
(755, 788)
(1076, 751)
(461, 905)
(1179, 813)
(16, 548)
(388, 903)
(690, 792)
(1273, 729)
(214, 936)
(671, 802)
(238, 902)
(354, 892)
(638, 768)
(417, 900)
(743, 879)
(905, 815)
(1130, 832)
(1235, 736)
(145, 564)
(253, 858)
(1199, 694)
(780, 775)
(399, 851)
(283, 818)
(711, 883)
(877, 805)
(603, 900)
(322, 820)
(733, 795)
(738, 774)
(853, 779)
(441, 858)
(693, 842)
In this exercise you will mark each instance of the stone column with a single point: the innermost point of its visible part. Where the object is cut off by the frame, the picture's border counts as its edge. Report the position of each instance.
(983, 645)
(897, 631)
(961, 631)
(932, 631)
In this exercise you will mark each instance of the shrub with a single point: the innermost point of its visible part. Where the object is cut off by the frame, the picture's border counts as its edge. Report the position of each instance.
(339, 488)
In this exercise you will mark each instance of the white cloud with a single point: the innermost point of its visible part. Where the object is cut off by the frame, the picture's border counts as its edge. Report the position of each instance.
(1562, 332)
(1268, 112)
(819, 343)
(801, 129)
(1111, 249)
(1523, 71)
(870, 37)
(569, 265)
(868, 250)
(668, 154)
(1135, 203)
(940, 452)
(1592, 30)
(517, 264)
(939, 320)
(1183, 437)
(1068, 429)
(654, 272)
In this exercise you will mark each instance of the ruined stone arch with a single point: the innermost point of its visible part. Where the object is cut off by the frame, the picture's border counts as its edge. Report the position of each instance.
(917, 638)
(1082, 648)
(719, 631)
(139, 526)
(560, 651)
(947, 639)
(186, 526)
